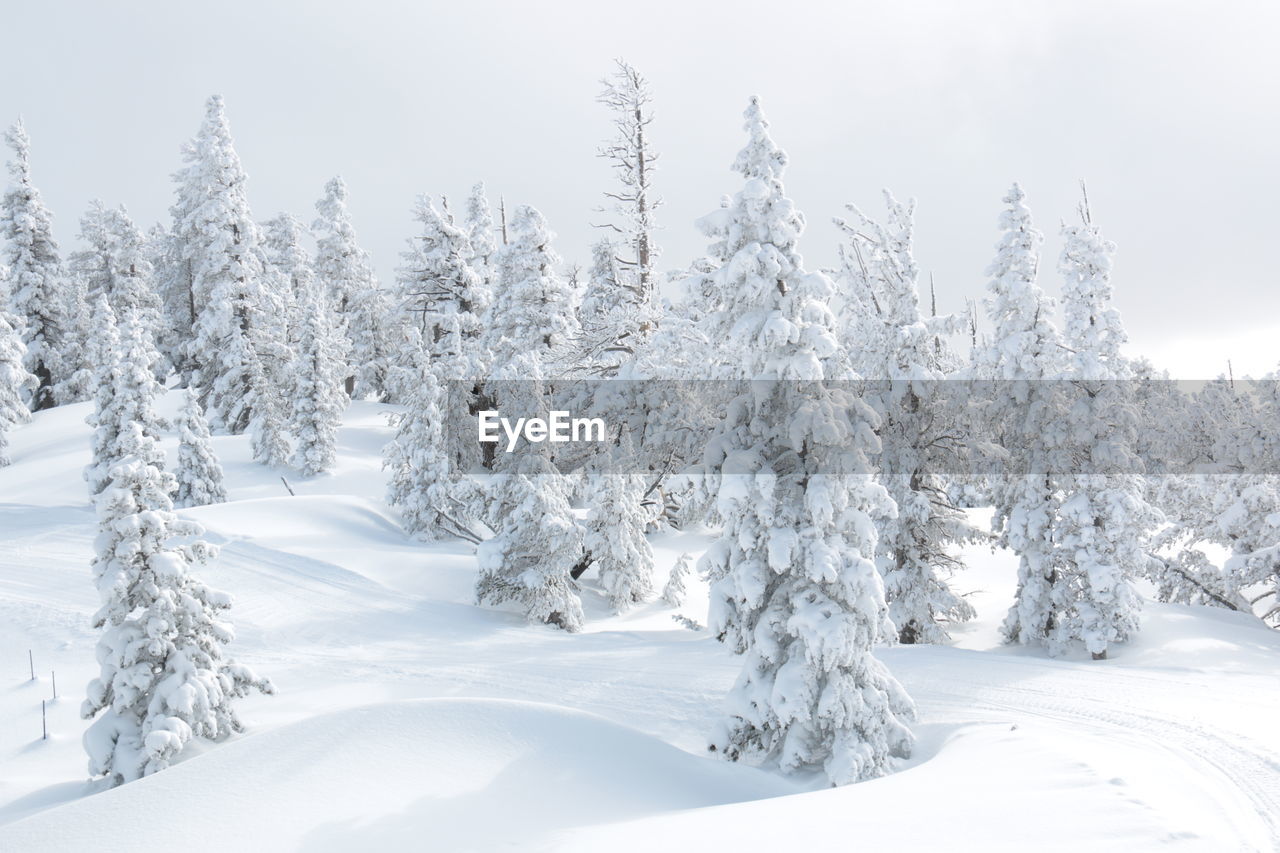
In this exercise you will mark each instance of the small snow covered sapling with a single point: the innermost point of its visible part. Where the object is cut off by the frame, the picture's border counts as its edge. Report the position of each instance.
(675, 592)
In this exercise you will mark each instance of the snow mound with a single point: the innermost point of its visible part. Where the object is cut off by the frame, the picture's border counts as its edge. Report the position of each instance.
(444, 774)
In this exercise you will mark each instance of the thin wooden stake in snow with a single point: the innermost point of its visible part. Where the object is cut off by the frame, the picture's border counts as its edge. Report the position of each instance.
(286, 487)
(54, 677)
(44, 721)
(32, 661)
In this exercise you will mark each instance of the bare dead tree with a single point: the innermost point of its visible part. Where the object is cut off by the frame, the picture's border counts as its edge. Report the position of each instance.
(626, 93)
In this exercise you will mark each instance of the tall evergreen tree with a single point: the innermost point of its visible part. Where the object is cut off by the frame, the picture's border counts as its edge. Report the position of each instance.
(921, 428)
(1105, 519)
(532, 309)
(164, 677)
(15, 382)
(217, 271)
(126, 389)
(436, 282)
(39, 288)
(794, 584)
(346, 276)
(478, 225)
(318, 398)
(1021, 364)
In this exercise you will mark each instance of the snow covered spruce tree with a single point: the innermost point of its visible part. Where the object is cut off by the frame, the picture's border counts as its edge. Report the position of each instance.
(126, 389)
(1104, 520)
(614, 323)
(39, 288)
(318, 397)
(268, 428)
(163, 676)
(199, 473)
(428, 483)
(537, 540)
(1021, 365)
(346, 277)
(478, 225)
(620, 553)
(795, 589)
(16, 383)
(532, 308)
(294, 277)
(436, 282)
(217, 273)
(922, 423)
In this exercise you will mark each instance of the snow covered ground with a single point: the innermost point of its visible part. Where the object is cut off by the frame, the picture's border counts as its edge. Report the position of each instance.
(408, 718)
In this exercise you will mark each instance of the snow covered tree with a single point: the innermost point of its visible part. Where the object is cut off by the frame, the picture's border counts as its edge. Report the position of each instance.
(478, 226)
(217, 271)
(614, 322)
(199, 473)
(532, 309)
(630, 152)
(436, 282)
(126, 389)
(268, 428)
(346, 277)
(676, 589)
(1225, 497)
(537, 540)
(434, 497)
(1020, 365)
(15, 382)
(294, 278)
(286, 268)
(1104, 520)
(164, 677)
(618, 308)
(39, 288)
(615, 540)
(794, 584)
(921, 422)
(318, 398)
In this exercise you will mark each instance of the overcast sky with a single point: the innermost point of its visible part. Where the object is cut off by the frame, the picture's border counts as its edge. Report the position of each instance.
(1169, 110)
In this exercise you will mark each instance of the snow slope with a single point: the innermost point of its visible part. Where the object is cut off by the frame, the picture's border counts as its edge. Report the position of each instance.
(406, 713)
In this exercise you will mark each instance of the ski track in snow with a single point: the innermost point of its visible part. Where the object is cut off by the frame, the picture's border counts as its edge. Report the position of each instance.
(1127, 707)
(351, 612)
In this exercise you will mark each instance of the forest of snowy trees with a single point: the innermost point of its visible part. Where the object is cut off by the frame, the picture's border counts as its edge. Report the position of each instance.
(826, 424)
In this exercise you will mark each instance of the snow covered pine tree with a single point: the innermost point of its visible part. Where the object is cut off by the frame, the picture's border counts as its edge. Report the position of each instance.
(163, 677)
(37, 284)
(199, 473)
(794, 584)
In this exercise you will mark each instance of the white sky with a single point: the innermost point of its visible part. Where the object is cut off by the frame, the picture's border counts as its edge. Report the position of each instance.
(1169, 110)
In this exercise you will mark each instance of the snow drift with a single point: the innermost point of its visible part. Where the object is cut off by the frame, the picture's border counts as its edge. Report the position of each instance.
(446, 774)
